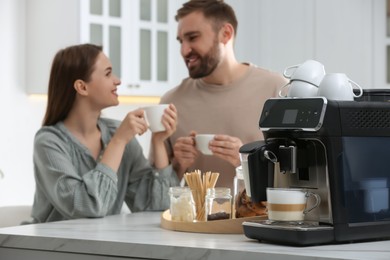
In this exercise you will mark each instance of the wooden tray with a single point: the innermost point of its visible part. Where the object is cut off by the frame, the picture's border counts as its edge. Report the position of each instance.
(225, 226)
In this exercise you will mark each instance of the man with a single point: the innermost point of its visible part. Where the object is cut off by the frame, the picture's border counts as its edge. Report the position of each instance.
(222, 96)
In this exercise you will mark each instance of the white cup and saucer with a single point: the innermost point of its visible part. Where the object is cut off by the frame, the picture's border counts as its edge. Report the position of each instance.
(202, 143)
(289, 206)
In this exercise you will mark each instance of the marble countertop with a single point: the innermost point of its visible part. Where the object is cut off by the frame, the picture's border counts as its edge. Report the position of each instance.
(140, 235)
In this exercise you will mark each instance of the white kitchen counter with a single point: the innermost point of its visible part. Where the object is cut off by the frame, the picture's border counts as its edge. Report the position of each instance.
(139, 235)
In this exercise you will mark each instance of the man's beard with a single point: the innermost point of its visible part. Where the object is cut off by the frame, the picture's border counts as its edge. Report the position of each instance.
(208, 62)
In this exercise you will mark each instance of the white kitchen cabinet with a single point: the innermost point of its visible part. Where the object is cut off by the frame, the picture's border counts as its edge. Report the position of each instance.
(139, 36)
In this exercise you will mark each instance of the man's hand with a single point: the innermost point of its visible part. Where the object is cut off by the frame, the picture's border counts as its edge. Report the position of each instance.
(227, 148)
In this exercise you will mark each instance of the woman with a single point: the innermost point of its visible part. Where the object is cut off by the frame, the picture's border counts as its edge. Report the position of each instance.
(86, 165)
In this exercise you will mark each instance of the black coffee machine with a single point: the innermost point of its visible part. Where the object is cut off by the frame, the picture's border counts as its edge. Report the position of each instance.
(337, 149)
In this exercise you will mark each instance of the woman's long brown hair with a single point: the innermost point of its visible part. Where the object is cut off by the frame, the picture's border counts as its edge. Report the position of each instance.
(69, 64)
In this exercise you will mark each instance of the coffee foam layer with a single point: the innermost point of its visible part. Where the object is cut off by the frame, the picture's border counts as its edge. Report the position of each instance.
(286, 197)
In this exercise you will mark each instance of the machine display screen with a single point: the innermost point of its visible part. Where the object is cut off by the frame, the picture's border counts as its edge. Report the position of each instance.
(290, 116)
(298, 113)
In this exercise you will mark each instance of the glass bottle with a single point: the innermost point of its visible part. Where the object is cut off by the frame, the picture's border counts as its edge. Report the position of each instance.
(182, 205)
(242, 203)
(239, 187)
(218, 204)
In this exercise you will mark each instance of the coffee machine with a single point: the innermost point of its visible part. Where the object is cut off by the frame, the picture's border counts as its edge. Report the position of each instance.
(337, 149)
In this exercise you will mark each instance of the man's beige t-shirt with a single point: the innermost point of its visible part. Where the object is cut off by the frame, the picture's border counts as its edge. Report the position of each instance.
(232, 109)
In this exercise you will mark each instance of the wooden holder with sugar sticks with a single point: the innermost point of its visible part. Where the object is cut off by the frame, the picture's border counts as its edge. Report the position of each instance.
(199, 184)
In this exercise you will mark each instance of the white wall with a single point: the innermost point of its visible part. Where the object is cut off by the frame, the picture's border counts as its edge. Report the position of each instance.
(20, 116)
(339, 33)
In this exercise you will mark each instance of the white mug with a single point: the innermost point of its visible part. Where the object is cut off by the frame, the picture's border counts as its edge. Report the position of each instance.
(153, 116)
(286, 204)
(298, 88)
(311, 71)
(202, 143)
(337, 86)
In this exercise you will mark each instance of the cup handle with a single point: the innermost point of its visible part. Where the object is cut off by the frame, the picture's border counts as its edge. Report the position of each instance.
(318, 201)
(357, 85)
(281, 89)
(285, 72)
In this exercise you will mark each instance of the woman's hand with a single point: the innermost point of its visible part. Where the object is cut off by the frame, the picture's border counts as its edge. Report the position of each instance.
(134, 123)
(160, 153)
(169, 120)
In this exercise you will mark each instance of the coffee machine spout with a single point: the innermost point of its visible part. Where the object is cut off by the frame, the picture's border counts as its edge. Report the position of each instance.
(257, 159)
(288, 158)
